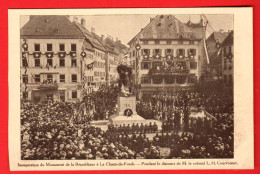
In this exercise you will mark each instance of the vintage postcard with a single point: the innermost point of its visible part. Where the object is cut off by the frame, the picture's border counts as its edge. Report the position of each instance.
(133, 89)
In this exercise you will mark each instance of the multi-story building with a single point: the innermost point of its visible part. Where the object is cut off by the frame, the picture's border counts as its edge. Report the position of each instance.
(111, 65)
(98, 70)
(50, 59)
(172, 54)
(117, 52)
(213, 47)
(227, 52)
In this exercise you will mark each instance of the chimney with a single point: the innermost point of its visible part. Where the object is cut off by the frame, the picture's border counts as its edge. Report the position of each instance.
(75, 19)
(83, 22)
(116, 38)
(221, 30)
(93, 30)
(229, 31)
(102, 37)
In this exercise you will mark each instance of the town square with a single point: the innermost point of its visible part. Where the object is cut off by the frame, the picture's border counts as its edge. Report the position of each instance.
(162, 92)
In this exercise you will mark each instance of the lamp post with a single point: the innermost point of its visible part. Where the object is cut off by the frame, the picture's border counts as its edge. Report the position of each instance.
(137, 47)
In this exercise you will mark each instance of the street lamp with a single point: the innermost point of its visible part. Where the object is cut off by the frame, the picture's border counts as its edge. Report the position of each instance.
(137, 47)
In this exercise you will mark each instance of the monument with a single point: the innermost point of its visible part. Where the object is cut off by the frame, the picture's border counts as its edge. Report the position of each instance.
(126, 103)
(126, 111)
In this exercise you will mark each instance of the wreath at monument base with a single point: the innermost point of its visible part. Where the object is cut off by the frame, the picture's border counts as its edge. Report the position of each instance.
(128, 112)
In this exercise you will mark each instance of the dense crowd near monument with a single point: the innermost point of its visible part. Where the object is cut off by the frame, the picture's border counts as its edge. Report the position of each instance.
(54, 130)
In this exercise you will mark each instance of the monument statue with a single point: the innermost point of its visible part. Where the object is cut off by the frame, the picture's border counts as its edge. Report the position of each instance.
(125, 79)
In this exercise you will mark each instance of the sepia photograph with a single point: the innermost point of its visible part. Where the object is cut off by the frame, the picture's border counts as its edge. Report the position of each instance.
(127, 87)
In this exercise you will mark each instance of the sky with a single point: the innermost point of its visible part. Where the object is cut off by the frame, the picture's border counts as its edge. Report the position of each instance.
(125, 27)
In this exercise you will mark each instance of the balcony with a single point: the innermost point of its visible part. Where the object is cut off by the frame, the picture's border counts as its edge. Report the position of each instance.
(48, 86)
(168, 72)
(168, 57)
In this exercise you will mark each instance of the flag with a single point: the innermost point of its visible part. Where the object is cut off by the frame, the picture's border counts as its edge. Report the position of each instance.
(90, 66)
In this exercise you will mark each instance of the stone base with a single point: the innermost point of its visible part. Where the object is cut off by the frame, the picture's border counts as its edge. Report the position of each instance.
(117, 119)
(121, 120)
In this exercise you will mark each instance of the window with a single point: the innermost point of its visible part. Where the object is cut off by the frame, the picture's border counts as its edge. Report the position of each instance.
(50, 96)
(181, 52)
(168, 42)
(225, 78)
(25, 78)
(168, 51)
(181, 79)
(62, 77)
(25, 95)
(73, 47)
(62, 96)
(49, 47)
(37, 47)
(191, 42)
(146, 51)
(74, 94)
(73, 62)
(62, 62)
(133, 53)
(144, 65)
(145, 80)
(192, 52)
(74, 78)
(50, 77)
(230, 49)
(49, 62)
(192, 78)
(37, 62)
(157, 42)
(157, 51)
(157, 64)
(62, 47)
(193, 65)
(24, 62)
(145, 42)
(37, 78)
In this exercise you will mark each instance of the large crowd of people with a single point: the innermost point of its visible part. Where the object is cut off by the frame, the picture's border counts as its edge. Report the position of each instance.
(54, 130)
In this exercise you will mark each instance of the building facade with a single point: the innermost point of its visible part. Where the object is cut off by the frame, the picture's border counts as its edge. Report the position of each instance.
(50, 59)
(214, 42)
(168, 54)
(227, 52)
(95, 67)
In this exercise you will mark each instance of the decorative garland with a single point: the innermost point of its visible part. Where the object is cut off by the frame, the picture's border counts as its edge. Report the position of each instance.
(167, 57)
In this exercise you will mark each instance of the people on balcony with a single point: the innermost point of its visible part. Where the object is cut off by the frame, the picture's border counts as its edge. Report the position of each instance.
(49, 81)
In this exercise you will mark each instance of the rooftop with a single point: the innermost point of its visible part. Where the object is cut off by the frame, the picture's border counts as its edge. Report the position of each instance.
(169, 27)
(50, 26)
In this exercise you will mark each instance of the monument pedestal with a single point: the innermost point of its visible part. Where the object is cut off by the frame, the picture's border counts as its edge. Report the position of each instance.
(126, 105)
